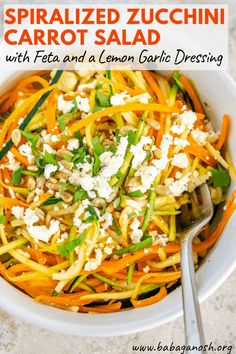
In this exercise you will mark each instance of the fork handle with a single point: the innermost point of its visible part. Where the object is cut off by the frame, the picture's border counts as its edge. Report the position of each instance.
(192, 316)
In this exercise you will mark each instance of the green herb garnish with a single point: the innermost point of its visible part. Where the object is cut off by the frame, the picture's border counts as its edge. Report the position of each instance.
(67, 157)
(97, 146)
(112, 149)
(32, 138)
(79, 154)
(40, 162)
(116, 228)
(93, 214)
(131, 137)
(79, 137)
(103, 99)
(50, 158)
(75, 108)
(71, 245)
(137, 193)
(51, 201)
(80, 194)
(61, 122)
(16, 177)
(96, 165)
(221, 177)
(2, 219)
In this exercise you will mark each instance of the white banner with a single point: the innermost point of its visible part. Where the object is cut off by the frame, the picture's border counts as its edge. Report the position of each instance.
(166, 37)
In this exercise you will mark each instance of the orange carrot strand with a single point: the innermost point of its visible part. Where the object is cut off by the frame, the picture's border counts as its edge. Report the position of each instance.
(151, 300)
(192, 94)
(224, 132)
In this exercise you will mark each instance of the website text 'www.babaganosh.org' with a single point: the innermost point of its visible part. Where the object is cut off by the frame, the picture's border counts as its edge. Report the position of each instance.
(182, 349)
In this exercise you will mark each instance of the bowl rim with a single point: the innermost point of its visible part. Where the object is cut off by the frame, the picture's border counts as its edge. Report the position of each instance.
(72, 328)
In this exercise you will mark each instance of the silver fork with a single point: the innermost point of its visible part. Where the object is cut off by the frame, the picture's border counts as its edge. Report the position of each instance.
(194, 335)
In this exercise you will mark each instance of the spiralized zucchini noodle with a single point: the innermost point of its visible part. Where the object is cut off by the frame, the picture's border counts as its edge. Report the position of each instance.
(95, 189)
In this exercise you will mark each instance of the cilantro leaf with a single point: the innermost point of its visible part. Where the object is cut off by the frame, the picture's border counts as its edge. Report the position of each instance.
(80, 194)
(2, 219)
(71, 245)
(79, 154)
(50, 158)
(79, 137)
(40, 162)
(75, 108)
(137, 193)
(61, 122)
(112, 149)
(96, 165)
(131, 137)
(67, 157)
(93, 214)
(103, 99)
(97, 146)
(16, 177)
(32, 138)
(221, 177)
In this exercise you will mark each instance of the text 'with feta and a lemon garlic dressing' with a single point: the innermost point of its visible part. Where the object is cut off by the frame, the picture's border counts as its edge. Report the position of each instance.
(94, 186)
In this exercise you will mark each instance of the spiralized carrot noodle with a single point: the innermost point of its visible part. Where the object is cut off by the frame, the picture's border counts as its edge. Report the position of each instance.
(224, 132)
(93, 188)
(21, 85)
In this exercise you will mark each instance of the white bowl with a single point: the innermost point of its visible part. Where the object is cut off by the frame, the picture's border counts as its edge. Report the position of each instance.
(219, 92)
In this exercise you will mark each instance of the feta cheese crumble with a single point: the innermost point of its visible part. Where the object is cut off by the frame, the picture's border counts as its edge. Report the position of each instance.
(145, 98)
(146, 269)
(137, 233)
(72, 144)
(119, 98)
(188, 118)
(181, 142)
(63, 105)
(18, 212)
(83, 104)
(139, 152)
(199, 136)
(25, 150)
(48, 170)
(177, 129)
(180, 160)
(178, 187)
(42, 233)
